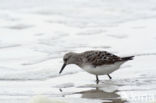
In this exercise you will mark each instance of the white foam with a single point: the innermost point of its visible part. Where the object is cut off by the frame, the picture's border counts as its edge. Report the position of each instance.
(44, 99)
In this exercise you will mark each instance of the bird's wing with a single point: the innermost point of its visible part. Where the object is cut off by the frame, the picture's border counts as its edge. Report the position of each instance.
(98, 58)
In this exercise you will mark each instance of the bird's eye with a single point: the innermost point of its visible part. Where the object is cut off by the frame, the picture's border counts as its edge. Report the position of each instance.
(65, 59)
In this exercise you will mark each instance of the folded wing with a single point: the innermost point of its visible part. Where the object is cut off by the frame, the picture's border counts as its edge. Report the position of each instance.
(98, 58)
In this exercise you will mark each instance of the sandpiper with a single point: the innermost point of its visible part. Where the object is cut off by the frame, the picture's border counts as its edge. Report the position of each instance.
(95, 62)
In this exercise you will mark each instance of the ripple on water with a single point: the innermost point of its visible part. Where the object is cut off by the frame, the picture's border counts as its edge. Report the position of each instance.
(117, 36)
(19, 26)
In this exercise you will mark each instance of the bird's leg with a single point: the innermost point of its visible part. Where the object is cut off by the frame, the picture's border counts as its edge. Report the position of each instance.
(109, 76)
(97, 79)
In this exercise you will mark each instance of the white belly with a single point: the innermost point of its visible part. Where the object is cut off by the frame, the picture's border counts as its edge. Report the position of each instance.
(102, 70)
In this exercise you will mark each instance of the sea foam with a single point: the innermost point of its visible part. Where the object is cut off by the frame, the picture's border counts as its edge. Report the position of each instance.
(44, 99)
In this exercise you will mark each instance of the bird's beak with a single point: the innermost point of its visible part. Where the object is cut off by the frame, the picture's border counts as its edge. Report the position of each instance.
(63, 66)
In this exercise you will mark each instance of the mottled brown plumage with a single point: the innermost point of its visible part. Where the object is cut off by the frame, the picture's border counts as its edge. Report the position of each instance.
(98, 58)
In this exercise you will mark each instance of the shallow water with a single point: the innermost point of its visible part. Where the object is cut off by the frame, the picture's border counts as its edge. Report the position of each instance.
(35, 35)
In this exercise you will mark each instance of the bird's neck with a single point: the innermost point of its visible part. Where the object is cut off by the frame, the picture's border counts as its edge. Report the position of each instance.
(77, 59)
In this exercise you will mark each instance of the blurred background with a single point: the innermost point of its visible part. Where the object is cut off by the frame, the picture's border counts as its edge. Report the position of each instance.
(35, 34)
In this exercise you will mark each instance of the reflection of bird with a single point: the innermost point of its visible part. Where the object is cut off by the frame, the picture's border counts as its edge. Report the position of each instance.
(95, 62)
(100, 94)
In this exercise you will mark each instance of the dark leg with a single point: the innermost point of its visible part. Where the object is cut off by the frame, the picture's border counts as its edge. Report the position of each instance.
(109, 76)
(97, 79)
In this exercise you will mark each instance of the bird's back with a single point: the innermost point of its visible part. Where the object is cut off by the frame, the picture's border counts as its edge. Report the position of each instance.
(98, 58)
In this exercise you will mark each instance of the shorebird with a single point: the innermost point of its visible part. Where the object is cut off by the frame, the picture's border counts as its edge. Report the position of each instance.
(95, 62)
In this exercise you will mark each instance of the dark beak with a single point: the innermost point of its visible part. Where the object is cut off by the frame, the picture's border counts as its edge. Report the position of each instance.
(62, 68)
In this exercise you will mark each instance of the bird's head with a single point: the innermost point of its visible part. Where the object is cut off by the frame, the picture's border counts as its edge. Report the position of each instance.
(67, 59)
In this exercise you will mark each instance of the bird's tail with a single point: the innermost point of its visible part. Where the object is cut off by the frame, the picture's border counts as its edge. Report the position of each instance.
(127, 58)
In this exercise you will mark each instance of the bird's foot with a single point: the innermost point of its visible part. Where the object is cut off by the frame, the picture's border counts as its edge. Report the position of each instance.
(97, 81)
